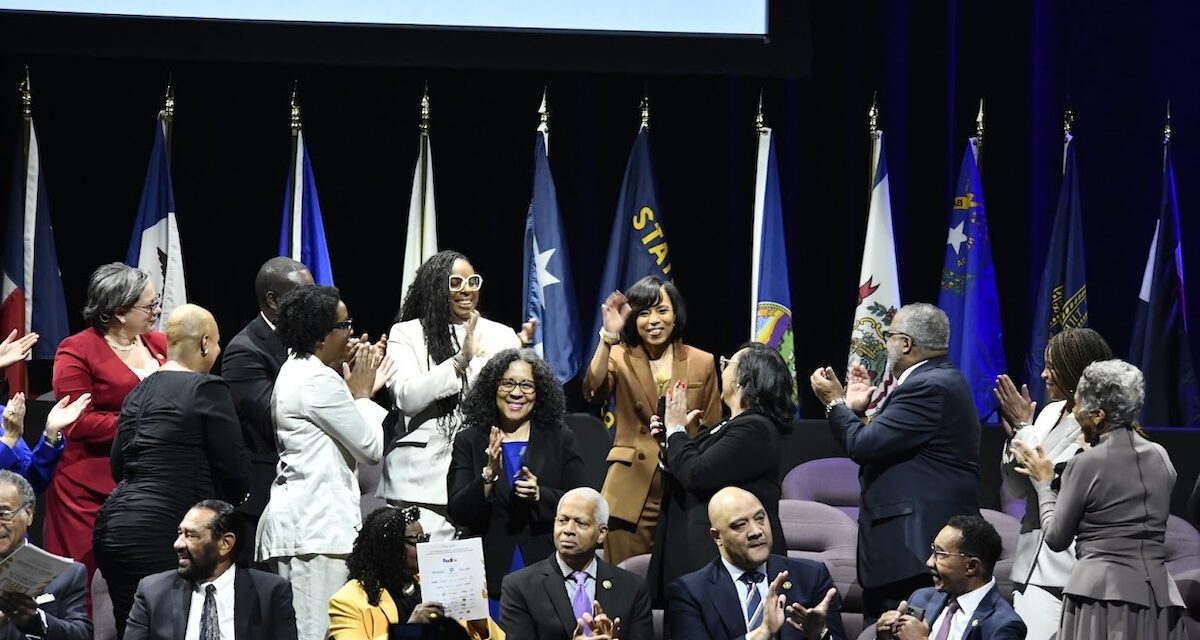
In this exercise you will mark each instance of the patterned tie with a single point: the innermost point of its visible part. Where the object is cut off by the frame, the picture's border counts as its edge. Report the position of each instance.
(210, 626)
(581, 603)
(754, 608)
(951, 609)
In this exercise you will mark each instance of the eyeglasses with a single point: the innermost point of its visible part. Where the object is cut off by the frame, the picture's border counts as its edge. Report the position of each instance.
(149, 308)
(347, 325)
(458, 283)
(887, 335)
(424, 537)
(941, 555)
(527, 387)
(7, 516)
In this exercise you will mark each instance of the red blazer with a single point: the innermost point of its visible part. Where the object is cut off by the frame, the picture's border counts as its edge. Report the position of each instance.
(86, 364)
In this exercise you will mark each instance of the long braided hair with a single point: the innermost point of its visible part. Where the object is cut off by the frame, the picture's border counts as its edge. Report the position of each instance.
(428, 300)
(379, 559)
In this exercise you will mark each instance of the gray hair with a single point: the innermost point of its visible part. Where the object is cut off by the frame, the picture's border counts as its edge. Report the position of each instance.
(926, 324)
(600, 512)
(1114, 386)
(24, 489)
(112, 286)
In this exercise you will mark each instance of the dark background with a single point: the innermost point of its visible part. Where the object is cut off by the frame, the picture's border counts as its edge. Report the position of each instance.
(98, 83)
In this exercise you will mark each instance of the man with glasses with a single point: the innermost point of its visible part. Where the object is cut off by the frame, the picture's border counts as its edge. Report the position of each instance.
(919, 453)
(60, 611)
(964, 596)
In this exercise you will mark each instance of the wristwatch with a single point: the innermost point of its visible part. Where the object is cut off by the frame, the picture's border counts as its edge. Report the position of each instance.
(486, 478)
(833, 403)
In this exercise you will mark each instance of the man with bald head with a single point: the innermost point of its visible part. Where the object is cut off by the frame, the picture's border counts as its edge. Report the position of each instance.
(251, 364)
(749, 593)
(574, 594)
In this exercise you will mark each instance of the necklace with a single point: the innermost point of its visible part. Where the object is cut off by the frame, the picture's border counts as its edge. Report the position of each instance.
(119, 347)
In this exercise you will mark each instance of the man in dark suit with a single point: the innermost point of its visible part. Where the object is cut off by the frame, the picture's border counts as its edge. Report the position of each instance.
(919, 454)
(187, 602)
(60, 612)
(556, 598)
(250, 365)
(964, 602)
(732, 598)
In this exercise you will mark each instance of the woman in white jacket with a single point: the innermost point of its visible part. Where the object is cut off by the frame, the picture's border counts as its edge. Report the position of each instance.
(1040, 574)
(439, 344)
(325, 425)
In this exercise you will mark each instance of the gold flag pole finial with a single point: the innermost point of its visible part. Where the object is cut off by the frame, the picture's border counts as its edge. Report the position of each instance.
(26, 96)
(1167, 126)
(425, 110)
(645, 107)
(169, 100)
(295, 107)
(759, 122)
(544, 111)
(873, 115)
(1068, 122)
(979, 124)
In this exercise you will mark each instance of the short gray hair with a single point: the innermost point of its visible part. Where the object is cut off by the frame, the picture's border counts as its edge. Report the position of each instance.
(926, 324)
(1114, 386)
(24, 489)
(111, 286)
(600, 512)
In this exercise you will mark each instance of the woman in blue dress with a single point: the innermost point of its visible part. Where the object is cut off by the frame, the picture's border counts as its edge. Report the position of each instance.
(511, 463)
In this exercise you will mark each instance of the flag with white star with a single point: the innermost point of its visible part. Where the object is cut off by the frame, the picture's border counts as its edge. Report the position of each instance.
(549, 292)
(968, 292)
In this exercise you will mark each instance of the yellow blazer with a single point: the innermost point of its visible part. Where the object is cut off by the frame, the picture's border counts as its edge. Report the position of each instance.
(633, 458)
(351, 617)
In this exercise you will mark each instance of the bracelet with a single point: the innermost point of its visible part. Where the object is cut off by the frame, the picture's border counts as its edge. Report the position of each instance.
(460, 363)
(610, 339)
(833, 403)
(486, 479)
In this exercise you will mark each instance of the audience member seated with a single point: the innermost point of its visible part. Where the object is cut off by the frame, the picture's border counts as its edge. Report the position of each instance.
(1113, 500)
(383, 563)
(207, 596)
(749, 592)
(743, 451)
(60, 611)
(107, 360)
(326, 425)
(573, 593)
(512, 462)
(37, 465)
(250, 365)
(964, 597)
(178, 442)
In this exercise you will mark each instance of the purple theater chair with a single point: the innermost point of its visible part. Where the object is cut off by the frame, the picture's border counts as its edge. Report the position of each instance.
(831, 481)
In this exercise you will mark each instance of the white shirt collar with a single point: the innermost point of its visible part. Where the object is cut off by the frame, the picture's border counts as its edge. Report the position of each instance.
(904, 376)
(224, 581)
(969, 601)
(736, 573)
(269, 323)
(567, 571)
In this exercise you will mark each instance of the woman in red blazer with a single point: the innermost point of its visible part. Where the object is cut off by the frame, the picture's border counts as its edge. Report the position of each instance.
(107, 360)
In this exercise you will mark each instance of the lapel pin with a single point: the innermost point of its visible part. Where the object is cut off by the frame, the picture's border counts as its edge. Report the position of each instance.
(787, 585)
(607, 584)
(975, 623)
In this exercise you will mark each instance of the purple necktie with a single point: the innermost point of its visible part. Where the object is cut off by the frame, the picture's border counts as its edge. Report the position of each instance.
(581, 603)
(951, 609)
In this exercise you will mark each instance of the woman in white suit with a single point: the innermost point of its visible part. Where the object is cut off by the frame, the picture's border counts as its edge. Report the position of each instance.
(1039, 574)
(325, 425)
(439, 344)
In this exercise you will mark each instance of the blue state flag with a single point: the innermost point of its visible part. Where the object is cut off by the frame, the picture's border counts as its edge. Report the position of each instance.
(154, 246)
(302, 237)
(549, 291)
(771, 311)
(968, 293)
(1062, 295)
(1160, 337)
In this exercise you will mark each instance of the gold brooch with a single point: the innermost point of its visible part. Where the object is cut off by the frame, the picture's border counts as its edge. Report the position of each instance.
(607, 584)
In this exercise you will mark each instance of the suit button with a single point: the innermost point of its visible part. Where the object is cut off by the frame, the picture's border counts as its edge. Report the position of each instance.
(641, 456)
(645, 430)
(638, 406)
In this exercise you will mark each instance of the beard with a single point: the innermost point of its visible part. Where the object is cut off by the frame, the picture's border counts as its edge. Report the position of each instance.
(200, 566)
(892, 356)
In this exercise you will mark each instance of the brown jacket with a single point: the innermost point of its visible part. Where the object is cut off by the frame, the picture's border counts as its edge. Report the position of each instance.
(633, 458)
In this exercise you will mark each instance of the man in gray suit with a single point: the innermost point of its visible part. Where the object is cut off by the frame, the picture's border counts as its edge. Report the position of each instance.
(919, 454)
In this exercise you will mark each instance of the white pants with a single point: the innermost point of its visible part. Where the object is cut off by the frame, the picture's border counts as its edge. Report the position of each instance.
(1040, 610)
(315, 578)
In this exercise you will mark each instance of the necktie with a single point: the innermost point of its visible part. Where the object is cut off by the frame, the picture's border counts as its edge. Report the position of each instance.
(951, 609)
(754, 608)
(580, 602)
(210, 626)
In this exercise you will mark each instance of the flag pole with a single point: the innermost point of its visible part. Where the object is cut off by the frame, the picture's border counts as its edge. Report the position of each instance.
(169, 115)
(297, 203)
(1167, 135)
(645, 107)
(758, 120)
(873, 134)
(544, 119)
(26, 114)
(424, 126)
(979, 137)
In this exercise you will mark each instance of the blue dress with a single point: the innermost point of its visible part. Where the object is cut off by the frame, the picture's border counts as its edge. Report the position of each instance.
(514, 458)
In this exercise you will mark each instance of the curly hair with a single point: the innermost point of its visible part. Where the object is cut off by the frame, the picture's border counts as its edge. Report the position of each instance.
(379, 558)
(767, 384)
(647, 293)
(549, 407)
(1117, 388)
(306, 314)
(1071, 351)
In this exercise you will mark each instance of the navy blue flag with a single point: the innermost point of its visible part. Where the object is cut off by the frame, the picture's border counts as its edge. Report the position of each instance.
(1160, 337)
(154, 246)
(302, 236)
(1062, 297)
(638, 245)
(968, 294)
(549, 291)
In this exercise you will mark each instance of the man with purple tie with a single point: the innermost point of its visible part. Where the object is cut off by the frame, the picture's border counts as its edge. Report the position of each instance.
(574, 594)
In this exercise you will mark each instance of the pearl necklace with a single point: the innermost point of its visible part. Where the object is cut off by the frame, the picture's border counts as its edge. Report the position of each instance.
(118, 347)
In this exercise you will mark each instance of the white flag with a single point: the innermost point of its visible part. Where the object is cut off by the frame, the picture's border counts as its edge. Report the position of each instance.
(421, 240)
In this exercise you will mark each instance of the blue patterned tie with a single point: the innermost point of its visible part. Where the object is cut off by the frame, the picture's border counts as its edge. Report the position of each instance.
(210, 626)
(754, 608)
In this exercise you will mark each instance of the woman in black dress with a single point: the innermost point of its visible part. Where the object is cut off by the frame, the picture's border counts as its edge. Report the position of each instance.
(178, 442)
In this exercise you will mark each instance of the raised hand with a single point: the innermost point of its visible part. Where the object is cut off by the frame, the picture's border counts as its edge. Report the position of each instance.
(614, 311)
(1033, 461)
(825, 385)
(1016, 407)
(63, 415)
(494, 465)
(677, 414)
(858, 388)
(528, 332)
(811, 622)
(14, 420)
(360, 376)
(14, 349)
(773, 609)
(470, 343)
(385, 369)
